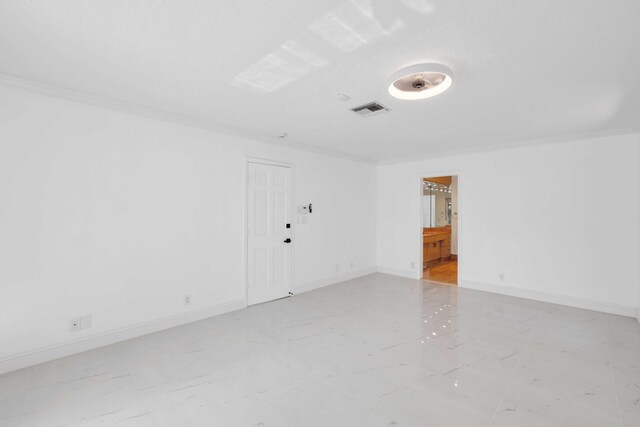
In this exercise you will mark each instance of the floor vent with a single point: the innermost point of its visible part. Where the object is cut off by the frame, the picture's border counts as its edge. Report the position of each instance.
(370, 109)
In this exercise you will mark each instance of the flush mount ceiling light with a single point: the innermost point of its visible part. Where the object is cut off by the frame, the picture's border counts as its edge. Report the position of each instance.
(420, 81)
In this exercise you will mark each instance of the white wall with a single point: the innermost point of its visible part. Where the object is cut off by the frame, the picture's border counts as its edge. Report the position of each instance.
(120, 216)
(542, 226)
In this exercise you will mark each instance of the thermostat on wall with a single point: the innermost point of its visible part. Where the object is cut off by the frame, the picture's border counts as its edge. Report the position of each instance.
(305, 209)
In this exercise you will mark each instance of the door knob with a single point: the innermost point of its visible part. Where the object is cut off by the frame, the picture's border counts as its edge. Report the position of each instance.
(287, 240)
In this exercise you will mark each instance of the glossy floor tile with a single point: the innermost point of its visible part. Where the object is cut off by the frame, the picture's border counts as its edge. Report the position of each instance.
(375, 351)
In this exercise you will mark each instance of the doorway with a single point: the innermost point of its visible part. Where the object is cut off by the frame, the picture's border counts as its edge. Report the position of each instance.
(440, 229)
(269, 232)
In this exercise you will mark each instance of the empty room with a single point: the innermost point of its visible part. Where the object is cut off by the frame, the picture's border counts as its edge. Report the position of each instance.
(324, 213)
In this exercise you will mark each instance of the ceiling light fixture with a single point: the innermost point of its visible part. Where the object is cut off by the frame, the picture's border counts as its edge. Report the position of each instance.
(432, 186)
(420, 81)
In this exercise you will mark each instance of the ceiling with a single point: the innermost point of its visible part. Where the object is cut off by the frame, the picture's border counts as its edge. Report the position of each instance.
(523, 70)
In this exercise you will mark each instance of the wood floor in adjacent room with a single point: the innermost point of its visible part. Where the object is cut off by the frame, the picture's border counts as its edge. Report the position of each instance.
(444, 272)
(374, 351)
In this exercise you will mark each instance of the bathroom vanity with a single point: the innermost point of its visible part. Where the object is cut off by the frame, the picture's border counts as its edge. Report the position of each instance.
(436, 245)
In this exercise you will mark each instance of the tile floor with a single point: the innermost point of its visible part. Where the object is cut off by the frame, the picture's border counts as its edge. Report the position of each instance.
(375, 351)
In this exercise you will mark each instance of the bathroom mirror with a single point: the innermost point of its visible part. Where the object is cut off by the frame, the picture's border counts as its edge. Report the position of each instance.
(437, 202)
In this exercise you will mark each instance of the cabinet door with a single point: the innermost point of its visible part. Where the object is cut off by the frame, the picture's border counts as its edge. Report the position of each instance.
(446, 248)
(433, 252)
(446, 251)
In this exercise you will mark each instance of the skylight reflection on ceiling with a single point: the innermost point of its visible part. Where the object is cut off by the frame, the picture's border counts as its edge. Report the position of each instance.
(346, 28)
(421, 6)
(288, 63)
(353, 25)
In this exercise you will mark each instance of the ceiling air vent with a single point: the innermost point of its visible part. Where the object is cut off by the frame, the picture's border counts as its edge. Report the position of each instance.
(370, 109)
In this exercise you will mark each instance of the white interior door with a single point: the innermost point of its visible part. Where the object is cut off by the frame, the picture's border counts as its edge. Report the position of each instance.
(269, 232)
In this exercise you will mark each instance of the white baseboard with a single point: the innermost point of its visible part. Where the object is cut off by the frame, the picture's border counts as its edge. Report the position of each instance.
(395, 272)
(45, 354)
(604, 307)
(315, 284)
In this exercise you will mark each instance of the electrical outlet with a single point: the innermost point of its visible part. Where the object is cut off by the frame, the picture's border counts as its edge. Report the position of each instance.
(187, 300)
(351, 265)
(337, 268)
(75, 324)
(501, 277)
(413, 265)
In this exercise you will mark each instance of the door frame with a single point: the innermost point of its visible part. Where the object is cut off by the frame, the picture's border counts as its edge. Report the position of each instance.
(245, 242)
(428, 175)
